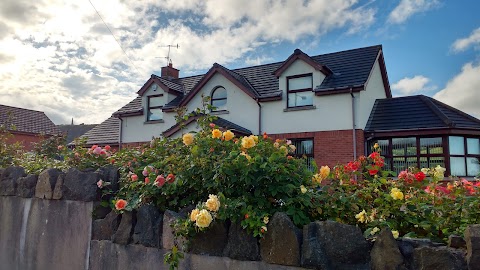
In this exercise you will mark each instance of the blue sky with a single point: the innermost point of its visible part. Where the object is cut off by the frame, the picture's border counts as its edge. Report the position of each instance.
(62, 59)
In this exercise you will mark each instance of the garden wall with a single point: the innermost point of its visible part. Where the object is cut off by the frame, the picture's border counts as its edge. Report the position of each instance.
(53, 221)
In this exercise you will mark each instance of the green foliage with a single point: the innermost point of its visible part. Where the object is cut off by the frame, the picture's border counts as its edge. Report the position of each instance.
(9, 151)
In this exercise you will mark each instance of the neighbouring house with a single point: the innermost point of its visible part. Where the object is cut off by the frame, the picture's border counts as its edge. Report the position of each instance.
(74, 131)
(333, 107)
(27, 126)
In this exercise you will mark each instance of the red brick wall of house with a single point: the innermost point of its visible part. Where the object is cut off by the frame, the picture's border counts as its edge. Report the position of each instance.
(26, 140)
(330, 147)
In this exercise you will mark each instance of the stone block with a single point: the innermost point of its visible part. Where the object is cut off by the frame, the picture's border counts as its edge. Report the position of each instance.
(332, 245)
(46, 183)
(81, 186)
(282, 241)
(110, 174)
(58, 191)
(26, 186)
(8, 180)
(472, 238)
(241, 245)
(438, 258)
(211, 241)
(168, 239)
(148, 229)
(385, 253)
(104, 229)
(455, 241)
(123, 235)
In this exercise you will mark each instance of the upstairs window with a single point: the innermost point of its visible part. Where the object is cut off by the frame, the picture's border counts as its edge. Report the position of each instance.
(154, 108)
(219, 99)
(299, 90)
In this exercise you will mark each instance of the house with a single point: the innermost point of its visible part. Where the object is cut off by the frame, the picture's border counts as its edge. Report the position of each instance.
(27, 126)
(332, 106)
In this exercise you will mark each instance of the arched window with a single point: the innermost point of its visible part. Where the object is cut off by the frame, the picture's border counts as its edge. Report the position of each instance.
(219, 98)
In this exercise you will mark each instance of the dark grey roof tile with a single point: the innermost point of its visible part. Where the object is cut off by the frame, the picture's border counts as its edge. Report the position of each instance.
(25, 120)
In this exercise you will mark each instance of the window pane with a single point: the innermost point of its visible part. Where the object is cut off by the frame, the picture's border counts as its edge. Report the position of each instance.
(431, 146)
(473, 146)
(424, 162)
(154, 114)
(434, 161)
(300, 83)
(220, 104)
(303, 147)
(404, 146)
(457, 166)
(473, 167)
(155, 101)
(399, 164)
(456, 146)
(382, 145)
(310, 161)
(300, 99)
(219, 93)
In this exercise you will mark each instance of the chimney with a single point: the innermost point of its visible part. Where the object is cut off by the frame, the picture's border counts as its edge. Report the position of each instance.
(169, 72)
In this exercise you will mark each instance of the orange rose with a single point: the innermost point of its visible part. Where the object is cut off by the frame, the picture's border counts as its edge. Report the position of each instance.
(120, 204)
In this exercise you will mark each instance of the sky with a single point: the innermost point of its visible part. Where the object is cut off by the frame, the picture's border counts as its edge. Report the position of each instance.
(61, 58)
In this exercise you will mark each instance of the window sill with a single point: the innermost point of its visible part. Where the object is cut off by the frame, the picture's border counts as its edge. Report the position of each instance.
(219, 112)
(154, 121)
(302, 108)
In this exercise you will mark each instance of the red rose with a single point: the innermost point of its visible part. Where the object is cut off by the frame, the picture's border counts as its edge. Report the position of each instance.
(170, 178)
(212, 125)
(246, 216)
(147, 180)
(134, 177)
(419, 176)
(372, 171)
(160, 181)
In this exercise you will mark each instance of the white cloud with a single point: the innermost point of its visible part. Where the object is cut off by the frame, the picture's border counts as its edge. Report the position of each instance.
(407, 8)
(461, 91)
(60, 58)
(413, 85)
(463, 43)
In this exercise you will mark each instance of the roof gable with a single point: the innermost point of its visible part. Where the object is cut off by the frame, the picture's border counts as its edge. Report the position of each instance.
(298, 54)
(167, 85)
(28, 121)
(232, 76)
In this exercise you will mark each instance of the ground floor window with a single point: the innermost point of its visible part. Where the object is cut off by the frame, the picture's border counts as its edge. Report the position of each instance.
(304, 149)
(460, 155)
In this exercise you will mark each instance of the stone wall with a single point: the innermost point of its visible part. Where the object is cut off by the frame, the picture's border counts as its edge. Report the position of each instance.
(54, 221)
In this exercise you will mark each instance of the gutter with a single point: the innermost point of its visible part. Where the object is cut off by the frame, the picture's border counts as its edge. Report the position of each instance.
(353, 125)
(259, 117)
(120, 134)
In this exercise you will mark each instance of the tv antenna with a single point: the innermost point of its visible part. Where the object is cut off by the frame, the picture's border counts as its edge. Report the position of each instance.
(169, 60)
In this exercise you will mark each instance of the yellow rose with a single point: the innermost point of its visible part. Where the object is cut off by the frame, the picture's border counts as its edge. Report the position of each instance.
(276, 144)
(374, 231)
(203, 219)
(362, 217)
(316, 179)
(375, 146)
(193, 215)
(395, 234)
(324, 172)
(188, 138)
(247, 156)
(303, 189)
(216, 133)
(396, 194)
(248, 142)
(284, 149)
(228, 135)
(213, 204)
(292, 148)
(255, 138)
(265, 219)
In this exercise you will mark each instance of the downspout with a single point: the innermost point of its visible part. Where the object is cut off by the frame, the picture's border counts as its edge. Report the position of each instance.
(259, 117)
(120, 134)
(353, 125)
